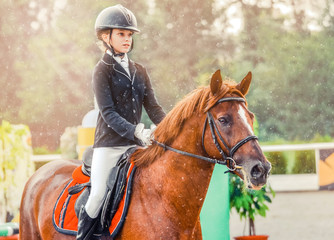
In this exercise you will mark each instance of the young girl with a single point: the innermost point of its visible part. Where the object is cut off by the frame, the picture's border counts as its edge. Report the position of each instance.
(121, 87)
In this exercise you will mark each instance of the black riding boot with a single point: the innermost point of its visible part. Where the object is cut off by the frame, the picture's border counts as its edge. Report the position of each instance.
(86, 225)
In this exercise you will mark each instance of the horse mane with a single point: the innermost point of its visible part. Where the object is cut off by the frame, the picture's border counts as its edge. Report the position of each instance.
(199, 100)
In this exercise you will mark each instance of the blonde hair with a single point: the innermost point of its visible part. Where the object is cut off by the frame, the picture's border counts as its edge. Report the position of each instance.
(100, 41)
(101, 32)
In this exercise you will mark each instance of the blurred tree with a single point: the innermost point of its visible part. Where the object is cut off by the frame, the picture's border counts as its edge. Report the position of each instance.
(327, 19)
(48, 83)
(56, 75)
(292, 87)
(15, 29)
(48, 54)
(177, 45)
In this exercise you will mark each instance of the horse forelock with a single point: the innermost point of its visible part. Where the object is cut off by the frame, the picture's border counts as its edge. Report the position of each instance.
(227, 88)
(198, 101)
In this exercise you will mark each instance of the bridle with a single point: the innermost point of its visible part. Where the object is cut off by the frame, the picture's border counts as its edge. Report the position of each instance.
(227, 158)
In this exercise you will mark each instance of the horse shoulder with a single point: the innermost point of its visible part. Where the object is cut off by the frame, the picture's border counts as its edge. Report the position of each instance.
(150, 214)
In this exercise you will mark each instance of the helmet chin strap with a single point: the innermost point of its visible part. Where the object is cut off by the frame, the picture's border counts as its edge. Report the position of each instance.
(109, 47)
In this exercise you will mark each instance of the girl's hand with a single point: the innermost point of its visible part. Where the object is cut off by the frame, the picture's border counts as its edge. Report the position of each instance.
(144, 135)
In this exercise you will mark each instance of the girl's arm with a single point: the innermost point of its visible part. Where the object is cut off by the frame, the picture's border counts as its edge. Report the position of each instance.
(107, 107)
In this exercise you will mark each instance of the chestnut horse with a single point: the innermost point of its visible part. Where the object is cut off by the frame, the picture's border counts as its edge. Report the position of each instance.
(210, 125)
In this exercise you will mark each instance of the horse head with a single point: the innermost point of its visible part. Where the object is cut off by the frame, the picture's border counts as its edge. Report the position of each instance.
(230, 136)
(212, 124)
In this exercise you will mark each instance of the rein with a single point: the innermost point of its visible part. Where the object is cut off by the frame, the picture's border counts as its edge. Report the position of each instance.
(227, 159)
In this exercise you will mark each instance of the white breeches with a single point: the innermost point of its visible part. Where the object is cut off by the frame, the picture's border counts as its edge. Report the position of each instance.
(104, 159)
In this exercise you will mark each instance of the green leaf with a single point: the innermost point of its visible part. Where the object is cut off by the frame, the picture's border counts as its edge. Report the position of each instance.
(267, 198)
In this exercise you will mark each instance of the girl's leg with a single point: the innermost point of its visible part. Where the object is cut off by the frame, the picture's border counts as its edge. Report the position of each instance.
(104, 159)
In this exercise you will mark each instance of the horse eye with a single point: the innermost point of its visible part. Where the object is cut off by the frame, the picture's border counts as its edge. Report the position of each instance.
(223, 120)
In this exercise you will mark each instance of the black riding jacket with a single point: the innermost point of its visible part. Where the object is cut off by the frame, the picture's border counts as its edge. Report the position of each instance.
(120, 99)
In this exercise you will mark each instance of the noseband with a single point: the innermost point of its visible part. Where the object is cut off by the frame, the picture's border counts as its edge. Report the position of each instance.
(227, 159)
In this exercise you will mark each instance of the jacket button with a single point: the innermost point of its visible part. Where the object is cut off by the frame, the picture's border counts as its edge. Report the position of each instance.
(134, 111)
(133, 100)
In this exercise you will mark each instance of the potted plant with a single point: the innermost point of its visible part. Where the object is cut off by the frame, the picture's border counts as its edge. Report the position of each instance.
(249, 203)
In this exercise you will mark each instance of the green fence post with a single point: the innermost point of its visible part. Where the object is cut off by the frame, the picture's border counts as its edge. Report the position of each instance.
(215, 215)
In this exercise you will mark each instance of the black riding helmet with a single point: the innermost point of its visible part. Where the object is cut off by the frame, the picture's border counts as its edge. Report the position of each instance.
(115, 17)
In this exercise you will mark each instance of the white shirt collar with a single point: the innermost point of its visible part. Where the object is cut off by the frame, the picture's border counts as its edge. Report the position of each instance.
(119, 59)
(124, 62)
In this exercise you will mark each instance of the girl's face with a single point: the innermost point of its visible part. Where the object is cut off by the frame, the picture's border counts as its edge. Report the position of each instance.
(121, 40)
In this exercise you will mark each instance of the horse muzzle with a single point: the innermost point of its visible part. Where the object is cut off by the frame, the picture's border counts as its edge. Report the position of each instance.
(256, 175)
(259, 174)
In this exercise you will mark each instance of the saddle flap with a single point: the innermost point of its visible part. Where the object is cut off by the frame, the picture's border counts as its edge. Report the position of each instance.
(113, 175)
(82, 199)
(115, 186)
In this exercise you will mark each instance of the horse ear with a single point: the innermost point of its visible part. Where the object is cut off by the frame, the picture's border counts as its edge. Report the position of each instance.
(216, 82)
(243, 87)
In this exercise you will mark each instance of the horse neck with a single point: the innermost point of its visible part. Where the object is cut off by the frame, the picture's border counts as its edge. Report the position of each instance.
(195, 172)
(181, 180)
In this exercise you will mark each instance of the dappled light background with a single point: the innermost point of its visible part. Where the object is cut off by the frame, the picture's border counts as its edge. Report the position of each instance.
(48, 52)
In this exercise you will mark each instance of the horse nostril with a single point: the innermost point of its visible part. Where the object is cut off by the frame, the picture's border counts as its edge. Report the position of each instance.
(257, 171)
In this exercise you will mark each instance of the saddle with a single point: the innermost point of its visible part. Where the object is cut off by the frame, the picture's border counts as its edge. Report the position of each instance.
(76, 193)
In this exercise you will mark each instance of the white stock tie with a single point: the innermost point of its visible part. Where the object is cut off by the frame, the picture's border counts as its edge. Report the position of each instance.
(125, 65)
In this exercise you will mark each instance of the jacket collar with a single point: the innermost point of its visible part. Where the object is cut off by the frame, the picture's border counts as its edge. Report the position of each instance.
(109, 60)
(132, 68)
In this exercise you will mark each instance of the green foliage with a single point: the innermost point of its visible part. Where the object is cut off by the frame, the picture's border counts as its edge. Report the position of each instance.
(248, 203)
(15, 165)
(256, 127)
(319, 138)
(44, 150)
(278, 162)
(292, 86)
(305, 162)
(292, 162)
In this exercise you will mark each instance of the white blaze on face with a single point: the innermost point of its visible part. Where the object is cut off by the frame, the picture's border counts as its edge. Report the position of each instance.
(242, 115)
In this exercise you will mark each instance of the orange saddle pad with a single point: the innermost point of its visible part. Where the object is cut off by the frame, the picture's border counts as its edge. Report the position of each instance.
(64, 218)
